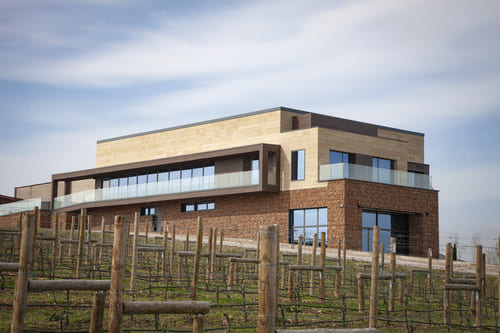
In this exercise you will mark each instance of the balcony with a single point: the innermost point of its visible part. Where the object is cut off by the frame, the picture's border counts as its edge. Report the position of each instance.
(377, 175)
(23, 206)
(171, 187)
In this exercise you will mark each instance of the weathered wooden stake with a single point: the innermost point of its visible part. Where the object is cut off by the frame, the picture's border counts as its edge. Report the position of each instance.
(361, 295)
(429, 276)
(197, 252)
(55, 248)
(172, 250)
(392, 284)
(165, 254)
(71, 236)
(213, 255)
(209, 250)
(117, 272)
(89, 239)
(479, 296)
(267, 280)
(36, 212)
(21, 287)
(81, 228)
(322, 261)
(447, 279)
(135, 253)
(97, 316)
(312, 285)
(102, 240)
(198, 324)
(374, 278)
(299, 250)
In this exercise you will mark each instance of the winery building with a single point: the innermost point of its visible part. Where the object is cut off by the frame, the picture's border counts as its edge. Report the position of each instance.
(306, 172)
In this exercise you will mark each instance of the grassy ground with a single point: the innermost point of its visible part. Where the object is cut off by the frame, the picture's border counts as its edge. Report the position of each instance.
(236, 309)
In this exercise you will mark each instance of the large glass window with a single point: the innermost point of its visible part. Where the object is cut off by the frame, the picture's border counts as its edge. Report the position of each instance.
(336, 157)
(382, 170)
(391, 225)
(298, 164)
(307, 222)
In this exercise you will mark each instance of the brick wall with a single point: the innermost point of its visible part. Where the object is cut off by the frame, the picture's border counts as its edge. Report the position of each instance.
(242, 215)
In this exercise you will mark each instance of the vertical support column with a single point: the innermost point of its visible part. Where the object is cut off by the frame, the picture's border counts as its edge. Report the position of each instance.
(21, 287)
(322, 260)
(393, 274)
(267, 280)
(71, 236)
(97, 316)
(81, 228)
(135, 253)
(479, 296)
(117, 272)
(197, 252)
(313, 263)
(361, 294)
(374, 278)
(257, 253)
(221, 240)
(299, 250)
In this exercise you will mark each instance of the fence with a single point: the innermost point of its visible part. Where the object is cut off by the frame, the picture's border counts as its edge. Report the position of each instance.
(170, 267)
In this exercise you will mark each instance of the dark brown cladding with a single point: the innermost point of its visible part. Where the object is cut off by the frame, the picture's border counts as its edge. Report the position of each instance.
(308, 120)
(171, 161)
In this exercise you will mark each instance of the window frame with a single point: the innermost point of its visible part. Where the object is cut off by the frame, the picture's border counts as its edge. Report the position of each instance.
(298, 165)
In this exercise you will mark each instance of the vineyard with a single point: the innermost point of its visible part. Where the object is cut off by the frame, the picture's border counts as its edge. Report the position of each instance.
(217, 288)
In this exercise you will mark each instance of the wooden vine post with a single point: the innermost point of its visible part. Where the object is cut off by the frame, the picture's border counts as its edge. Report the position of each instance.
(164, 254)
(479, 296)
(21, 288)
(81, 228)
(172, 250)
(322, 260)
(429, 276)
(337, 273)
(213, 255)
(101, 249)
(209, 250)
(197, 252)
(267, 279)
(135, 253)
(374, 278)
(117, 272)
(313, 263)
(447, 280)
(71, 236)
(89, 239)
(393, 274)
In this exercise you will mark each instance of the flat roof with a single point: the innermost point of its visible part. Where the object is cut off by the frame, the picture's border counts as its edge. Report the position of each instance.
(247, 114)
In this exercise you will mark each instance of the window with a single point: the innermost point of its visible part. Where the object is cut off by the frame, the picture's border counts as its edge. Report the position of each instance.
(198, 206)
(391, 225)
(382, 170)
(145, 211)
(307, 222)
(336, 157)
(298, 164)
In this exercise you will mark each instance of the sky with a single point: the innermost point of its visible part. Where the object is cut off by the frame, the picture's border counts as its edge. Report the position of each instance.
(74, 72)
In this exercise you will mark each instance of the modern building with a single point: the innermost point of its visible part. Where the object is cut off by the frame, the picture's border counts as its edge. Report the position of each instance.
(307, 172)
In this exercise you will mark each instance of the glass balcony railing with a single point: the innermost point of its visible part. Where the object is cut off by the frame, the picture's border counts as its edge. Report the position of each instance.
(20, 206)
(378, 175)
(173, 186)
